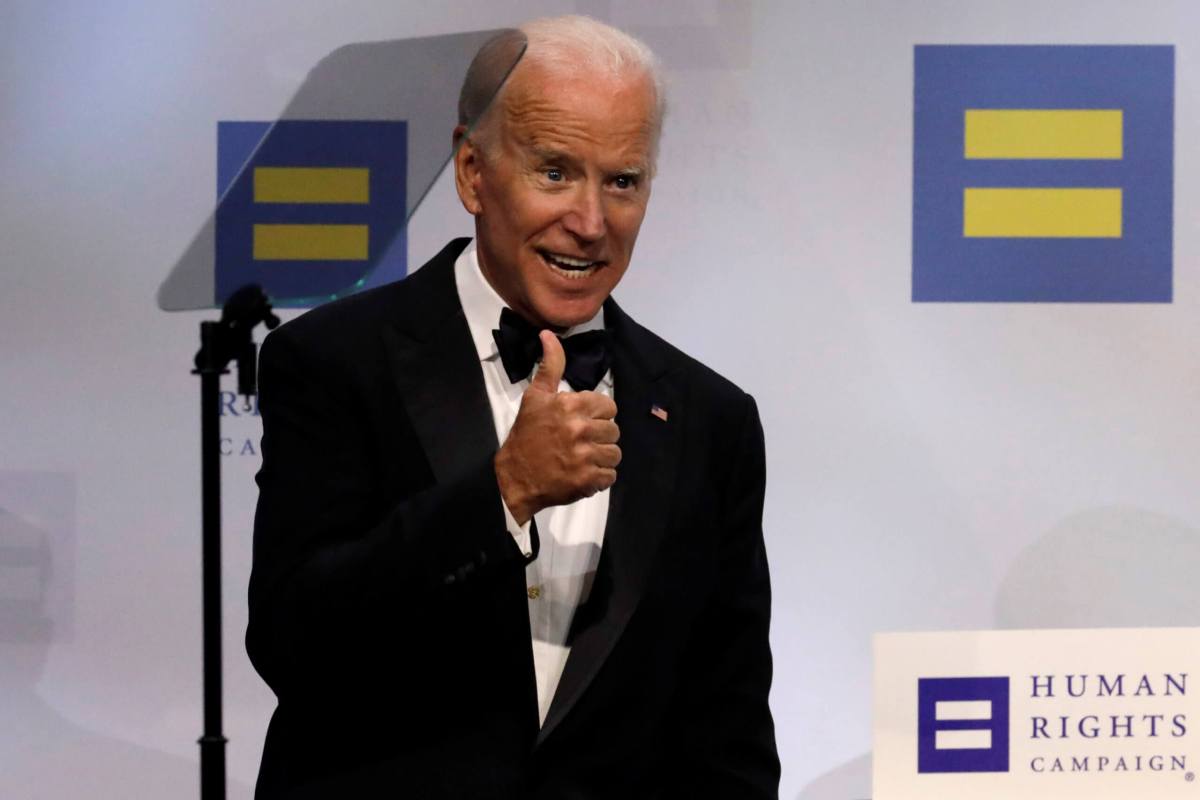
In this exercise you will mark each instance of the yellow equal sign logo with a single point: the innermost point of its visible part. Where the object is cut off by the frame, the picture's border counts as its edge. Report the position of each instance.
(315, 185)
(1042, 213)
(310, 242)
(1043, 134)
(1058, 133)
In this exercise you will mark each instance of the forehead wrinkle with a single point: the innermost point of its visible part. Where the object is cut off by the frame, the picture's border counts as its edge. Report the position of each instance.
(540, 120)
(532, 117)
(549, 131)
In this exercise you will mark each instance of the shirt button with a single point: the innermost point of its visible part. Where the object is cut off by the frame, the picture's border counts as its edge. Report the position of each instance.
(534, 592)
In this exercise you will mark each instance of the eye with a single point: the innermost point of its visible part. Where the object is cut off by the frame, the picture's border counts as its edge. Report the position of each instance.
(554, 174)
(625, 181)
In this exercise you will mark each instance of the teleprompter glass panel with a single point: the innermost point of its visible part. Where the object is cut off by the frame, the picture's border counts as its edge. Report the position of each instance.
(314, 205)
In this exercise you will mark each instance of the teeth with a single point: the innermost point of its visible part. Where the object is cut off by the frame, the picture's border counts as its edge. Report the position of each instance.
(570, 267)
(574, 274)
(567, 261)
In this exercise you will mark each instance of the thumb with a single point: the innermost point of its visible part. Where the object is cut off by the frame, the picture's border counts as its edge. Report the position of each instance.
(554, 361)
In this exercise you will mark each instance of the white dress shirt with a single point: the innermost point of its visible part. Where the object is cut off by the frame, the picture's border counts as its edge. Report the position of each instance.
(570, 536)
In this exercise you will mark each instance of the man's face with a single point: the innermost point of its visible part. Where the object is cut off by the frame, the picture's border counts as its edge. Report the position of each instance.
(560, 193)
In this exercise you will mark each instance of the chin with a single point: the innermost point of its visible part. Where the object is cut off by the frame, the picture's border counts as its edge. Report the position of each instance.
(563, 315)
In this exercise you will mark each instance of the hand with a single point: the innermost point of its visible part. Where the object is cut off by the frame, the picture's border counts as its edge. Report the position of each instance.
(561, 447)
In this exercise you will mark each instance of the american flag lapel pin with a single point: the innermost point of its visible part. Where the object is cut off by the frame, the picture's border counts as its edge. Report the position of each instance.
(658, 411)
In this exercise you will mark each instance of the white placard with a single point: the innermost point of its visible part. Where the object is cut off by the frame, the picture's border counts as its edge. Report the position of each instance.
(1040, 715)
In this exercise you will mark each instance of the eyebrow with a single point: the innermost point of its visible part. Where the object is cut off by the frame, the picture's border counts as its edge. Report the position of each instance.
(549, 154)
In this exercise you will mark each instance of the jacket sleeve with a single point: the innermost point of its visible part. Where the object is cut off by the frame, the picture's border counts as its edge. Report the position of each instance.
(337, 571)
(725, 734)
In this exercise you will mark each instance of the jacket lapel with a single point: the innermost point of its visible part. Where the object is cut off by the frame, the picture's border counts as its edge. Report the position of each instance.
(437, 373)
(436, 370)
(644, 376)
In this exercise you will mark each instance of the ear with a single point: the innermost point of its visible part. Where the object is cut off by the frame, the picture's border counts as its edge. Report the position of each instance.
(467, 164)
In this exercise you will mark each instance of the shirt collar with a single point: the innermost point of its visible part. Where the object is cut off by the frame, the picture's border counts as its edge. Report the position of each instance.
(482, 306)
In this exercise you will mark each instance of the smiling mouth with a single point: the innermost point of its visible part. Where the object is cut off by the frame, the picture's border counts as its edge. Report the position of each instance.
(569, 266)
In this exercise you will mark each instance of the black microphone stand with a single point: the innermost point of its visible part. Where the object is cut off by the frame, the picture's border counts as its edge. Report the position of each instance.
(220, 342)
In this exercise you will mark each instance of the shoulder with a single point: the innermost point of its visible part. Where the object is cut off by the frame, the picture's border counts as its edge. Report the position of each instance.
(706, 389)
(718, 420)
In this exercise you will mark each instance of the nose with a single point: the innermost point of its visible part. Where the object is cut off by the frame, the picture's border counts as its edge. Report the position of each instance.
(585, 219)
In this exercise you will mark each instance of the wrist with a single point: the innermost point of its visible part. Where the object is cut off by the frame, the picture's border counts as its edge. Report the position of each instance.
(516, 498)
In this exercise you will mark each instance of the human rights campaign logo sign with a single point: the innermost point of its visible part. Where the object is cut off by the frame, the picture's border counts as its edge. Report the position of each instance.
(308, 208)
(1043, 173)
(962, 725)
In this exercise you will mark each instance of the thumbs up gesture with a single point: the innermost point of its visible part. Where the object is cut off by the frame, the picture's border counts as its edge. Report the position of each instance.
(562, 446)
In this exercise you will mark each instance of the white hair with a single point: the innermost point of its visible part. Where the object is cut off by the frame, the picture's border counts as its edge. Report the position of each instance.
(568, 45)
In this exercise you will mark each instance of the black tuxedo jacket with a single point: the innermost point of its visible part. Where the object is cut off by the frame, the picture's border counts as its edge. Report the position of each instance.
(388, 606)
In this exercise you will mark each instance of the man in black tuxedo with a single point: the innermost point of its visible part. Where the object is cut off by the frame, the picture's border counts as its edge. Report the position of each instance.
(477, 577)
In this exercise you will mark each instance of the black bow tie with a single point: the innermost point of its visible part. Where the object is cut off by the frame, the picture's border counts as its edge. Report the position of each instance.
(520, 348)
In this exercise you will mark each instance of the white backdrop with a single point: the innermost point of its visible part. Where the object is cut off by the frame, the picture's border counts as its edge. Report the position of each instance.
(931, 466)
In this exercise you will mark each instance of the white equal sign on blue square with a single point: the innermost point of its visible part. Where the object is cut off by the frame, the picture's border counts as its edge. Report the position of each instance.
(962, 724)
(963, 738)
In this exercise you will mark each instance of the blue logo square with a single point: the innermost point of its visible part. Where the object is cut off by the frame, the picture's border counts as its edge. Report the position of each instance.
(963, 725)
(308, 209)
(1030, 205)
